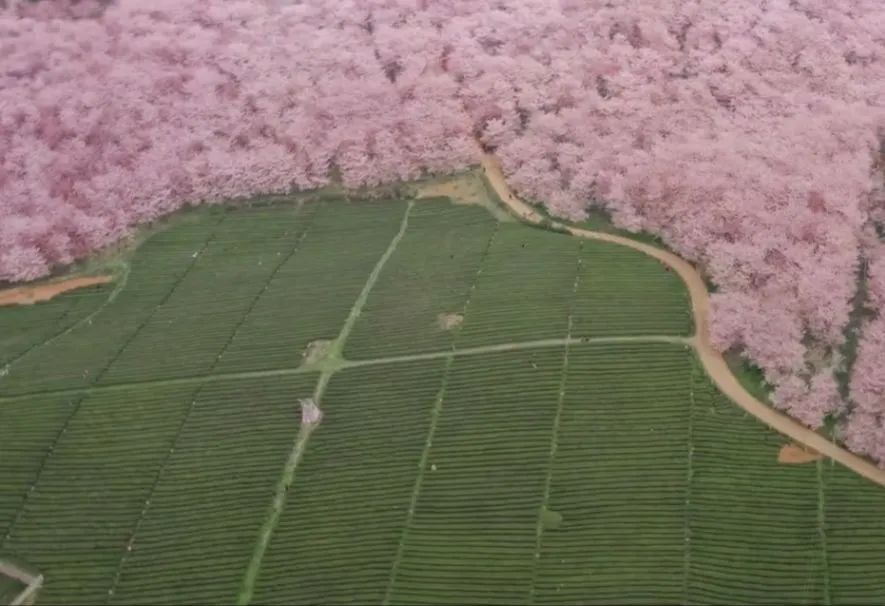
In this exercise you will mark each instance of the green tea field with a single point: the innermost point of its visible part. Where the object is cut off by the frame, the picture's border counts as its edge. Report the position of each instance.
(510, 416)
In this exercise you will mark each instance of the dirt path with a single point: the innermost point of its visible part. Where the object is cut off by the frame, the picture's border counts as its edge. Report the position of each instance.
(28, 295)
(712, 360)
(337, 364)
(335, 351)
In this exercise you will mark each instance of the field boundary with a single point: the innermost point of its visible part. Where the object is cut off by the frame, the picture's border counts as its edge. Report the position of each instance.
(435, 413)
(712, 360)
(554, 434)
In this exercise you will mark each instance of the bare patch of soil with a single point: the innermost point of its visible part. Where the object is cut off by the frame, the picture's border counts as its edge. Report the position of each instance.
(311, 415)
(316, 351)
(449, 321)
(465, 189)
(28, 295)
(793, 454)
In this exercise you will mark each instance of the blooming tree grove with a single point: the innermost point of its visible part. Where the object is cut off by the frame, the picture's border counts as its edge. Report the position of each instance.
(748, 134)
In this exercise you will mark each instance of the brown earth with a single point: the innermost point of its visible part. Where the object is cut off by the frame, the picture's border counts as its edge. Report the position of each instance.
(449, 321)
(795, 454)
(316, 351)
(28, 295)
(461, 190)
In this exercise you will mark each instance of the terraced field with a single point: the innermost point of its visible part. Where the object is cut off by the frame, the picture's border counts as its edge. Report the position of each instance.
(509, 416)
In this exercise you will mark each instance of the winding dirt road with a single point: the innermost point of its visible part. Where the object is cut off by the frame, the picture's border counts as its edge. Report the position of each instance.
(711, 359)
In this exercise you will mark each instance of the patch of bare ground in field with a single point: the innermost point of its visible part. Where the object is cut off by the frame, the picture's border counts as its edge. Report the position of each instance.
(37, 293)
(465, 188)
(449, 321)
(796, 454)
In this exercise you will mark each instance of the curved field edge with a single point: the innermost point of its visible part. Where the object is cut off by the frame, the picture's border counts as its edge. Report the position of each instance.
(713, 361)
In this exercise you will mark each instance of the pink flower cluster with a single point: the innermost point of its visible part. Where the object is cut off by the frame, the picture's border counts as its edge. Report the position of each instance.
(746, 134)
